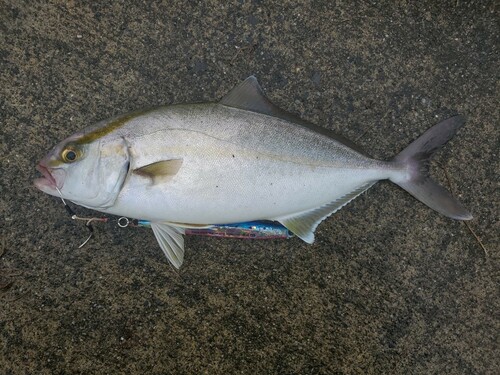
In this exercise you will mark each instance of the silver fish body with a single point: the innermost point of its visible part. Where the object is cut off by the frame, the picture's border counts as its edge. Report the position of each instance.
(241, 159)
(236, 166)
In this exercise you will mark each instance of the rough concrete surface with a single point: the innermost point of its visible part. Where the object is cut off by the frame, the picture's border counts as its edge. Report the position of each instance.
(389, 287)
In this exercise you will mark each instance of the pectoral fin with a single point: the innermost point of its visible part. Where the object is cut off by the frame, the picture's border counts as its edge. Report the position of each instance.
(160, 171)
(171, 241)
(303, 224)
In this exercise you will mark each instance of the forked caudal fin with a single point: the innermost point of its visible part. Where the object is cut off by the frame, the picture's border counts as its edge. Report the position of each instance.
(418, 182)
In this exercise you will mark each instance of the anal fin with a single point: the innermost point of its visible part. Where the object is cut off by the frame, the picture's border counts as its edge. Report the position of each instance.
(303, 224)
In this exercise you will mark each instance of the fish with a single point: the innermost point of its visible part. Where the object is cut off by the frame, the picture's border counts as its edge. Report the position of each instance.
(182, 167)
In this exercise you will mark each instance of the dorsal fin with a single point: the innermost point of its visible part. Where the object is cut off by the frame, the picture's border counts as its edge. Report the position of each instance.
(249, 96)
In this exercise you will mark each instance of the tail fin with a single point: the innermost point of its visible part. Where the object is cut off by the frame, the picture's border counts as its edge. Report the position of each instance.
(418, 182)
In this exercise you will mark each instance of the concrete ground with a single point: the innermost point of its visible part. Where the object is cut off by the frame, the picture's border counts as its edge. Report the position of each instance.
(389, 287)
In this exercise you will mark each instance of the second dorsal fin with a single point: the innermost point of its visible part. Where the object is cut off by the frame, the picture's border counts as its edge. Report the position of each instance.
(249, 96)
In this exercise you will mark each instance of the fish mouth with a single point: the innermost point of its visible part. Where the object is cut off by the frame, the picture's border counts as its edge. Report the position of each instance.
(47, 182)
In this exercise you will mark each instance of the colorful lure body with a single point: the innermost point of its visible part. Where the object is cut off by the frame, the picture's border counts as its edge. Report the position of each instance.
(258, 230)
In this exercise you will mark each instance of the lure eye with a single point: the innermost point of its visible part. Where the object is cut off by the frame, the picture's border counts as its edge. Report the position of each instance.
(69, 155)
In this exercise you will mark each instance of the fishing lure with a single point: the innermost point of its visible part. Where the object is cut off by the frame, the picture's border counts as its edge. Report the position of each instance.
(258, 230)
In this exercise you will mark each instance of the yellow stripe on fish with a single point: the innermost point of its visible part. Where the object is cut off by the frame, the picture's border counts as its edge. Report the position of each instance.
(108, 128)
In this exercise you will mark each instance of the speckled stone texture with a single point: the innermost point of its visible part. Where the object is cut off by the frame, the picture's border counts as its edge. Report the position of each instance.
(389, 287)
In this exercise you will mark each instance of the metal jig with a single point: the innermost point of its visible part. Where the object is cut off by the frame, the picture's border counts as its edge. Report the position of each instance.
(250, 230)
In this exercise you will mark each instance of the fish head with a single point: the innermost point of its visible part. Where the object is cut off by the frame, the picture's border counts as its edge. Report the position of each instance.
(89, 172)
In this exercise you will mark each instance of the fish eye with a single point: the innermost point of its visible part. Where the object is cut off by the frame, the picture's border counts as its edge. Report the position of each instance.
(69, 155)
